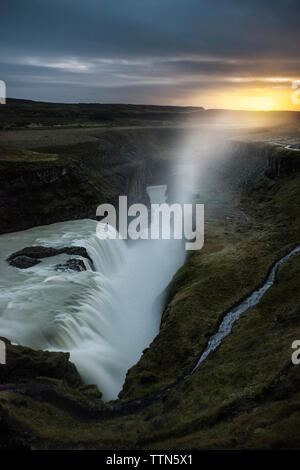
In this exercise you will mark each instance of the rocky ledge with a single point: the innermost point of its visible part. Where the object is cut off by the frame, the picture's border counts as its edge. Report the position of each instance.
(31, 255)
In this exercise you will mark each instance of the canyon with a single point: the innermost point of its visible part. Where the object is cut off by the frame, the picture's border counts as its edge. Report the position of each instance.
(250, 190)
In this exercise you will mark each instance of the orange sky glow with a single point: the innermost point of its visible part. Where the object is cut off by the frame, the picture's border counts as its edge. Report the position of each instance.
(278, 96)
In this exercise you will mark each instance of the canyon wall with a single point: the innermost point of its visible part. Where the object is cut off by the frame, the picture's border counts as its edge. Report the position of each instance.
(56, 183)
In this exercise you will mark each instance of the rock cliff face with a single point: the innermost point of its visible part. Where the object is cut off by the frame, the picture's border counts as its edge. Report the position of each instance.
(24, 364)
(45, 377)
(60, 183)
(283, 161)
(246, 161)
(36, 194)
(55, 183)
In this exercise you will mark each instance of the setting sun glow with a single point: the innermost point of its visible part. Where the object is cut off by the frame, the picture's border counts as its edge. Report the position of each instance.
(275, 98)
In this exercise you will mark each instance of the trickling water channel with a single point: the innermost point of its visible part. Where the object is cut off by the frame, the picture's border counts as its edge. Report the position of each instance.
(234, 314)
(104, 318)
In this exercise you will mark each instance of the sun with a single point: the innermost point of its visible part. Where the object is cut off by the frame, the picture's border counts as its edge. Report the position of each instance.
(266, 99)
(258, 103)
(276, 98)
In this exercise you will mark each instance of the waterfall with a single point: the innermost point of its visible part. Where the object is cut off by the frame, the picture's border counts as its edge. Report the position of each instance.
(104, 318)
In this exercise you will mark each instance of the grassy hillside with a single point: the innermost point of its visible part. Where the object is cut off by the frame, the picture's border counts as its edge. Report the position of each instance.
(34, 114)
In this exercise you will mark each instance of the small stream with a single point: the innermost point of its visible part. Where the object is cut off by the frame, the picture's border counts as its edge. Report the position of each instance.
(233, 315)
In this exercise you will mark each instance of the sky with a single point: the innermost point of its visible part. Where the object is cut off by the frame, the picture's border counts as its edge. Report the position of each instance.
(238, 54)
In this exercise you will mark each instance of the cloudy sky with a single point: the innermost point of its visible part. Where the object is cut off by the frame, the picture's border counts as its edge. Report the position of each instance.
(241, 54)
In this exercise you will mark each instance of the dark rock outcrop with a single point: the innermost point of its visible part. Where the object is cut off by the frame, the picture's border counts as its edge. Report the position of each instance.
(23, 262)
(31, 256)
(24, 364)
(32, 377)
(282, 161)
(71, 264)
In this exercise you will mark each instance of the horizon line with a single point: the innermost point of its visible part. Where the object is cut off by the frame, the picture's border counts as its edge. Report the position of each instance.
(202, 108)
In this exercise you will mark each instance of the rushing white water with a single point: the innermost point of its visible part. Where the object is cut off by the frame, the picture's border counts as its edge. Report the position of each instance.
(234, 314)
(104, 318)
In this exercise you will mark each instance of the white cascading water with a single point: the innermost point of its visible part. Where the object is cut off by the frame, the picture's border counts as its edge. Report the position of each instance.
(104, 318)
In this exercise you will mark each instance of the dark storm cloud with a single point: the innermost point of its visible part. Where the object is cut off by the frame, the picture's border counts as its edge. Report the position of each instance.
(143, 50)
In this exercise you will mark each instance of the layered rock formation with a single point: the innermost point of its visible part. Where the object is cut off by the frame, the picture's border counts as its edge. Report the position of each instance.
(58, 183)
